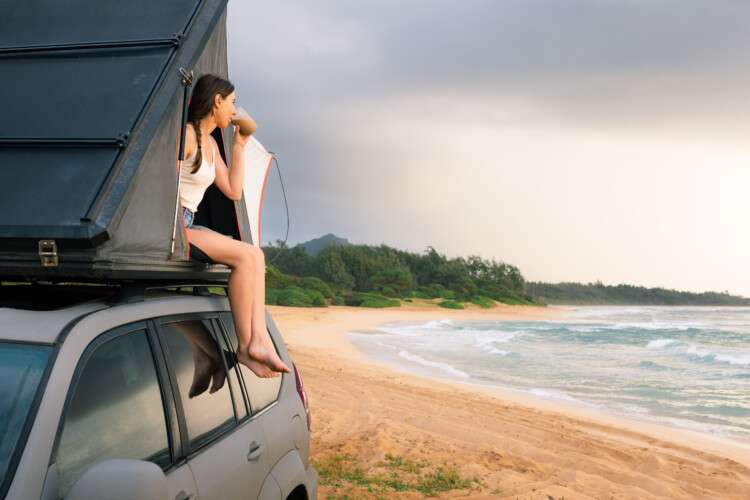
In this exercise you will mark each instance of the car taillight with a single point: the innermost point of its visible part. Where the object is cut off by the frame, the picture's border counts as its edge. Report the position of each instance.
(302, 394)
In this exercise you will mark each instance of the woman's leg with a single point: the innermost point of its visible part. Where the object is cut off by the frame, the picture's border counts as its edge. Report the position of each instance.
(262, 359)
(259, 298)
(260, 341)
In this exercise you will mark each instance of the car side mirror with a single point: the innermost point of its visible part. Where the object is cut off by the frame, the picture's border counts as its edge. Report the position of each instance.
(120, 479)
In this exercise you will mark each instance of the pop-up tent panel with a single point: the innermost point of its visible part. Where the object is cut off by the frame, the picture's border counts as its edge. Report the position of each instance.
(46, 189)
(44, 22)
(90, 165)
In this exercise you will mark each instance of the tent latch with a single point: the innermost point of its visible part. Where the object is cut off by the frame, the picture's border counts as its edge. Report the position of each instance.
(48, 253)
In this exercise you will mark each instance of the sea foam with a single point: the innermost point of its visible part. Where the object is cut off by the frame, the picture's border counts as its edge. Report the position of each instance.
(433, 364)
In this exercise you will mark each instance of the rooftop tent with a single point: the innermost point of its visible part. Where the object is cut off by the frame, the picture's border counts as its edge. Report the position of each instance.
(88, 156)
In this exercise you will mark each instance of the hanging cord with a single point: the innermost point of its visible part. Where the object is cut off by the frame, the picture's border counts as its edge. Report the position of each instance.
(286, 205)
(187, 81)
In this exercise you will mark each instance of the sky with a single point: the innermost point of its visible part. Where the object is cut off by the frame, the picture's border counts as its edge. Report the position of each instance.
(578, 140)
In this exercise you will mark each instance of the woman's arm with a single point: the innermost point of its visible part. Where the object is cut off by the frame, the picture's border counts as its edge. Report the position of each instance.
(230, 180)
(190, 141)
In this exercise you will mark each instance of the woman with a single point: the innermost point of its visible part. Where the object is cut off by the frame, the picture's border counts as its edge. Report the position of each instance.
(212, 105)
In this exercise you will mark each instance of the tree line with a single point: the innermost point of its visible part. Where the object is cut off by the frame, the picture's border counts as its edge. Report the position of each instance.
(382, 276)
(598, 293)
(379, 276)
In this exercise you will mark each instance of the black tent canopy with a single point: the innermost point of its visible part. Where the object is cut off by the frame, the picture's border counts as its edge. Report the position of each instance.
(93, 98)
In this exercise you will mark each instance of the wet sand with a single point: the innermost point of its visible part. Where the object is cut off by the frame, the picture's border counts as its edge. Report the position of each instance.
(518, 445)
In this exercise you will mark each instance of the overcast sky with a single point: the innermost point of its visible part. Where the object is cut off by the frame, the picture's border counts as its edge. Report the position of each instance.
(579, 140)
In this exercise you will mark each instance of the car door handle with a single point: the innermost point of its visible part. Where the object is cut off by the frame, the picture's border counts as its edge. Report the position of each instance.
(255, 451)
(184, 496)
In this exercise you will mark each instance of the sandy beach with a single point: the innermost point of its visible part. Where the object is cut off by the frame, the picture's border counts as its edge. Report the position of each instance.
(505, 444)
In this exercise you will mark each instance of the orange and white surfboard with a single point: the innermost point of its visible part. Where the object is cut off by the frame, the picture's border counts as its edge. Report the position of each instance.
(257, 166)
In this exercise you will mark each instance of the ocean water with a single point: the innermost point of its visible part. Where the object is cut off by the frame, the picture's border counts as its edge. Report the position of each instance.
(687, 367)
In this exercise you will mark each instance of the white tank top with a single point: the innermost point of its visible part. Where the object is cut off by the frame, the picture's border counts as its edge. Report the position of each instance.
(193, 186)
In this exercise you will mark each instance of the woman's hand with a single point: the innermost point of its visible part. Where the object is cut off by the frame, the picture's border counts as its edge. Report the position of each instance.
(243, 122)
(239, 139)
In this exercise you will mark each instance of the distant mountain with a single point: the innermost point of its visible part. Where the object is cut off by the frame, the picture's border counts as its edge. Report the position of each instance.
(312, 247)
(600, 294)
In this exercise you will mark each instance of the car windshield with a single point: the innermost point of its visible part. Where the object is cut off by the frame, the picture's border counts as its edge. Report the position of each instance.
(21, 370)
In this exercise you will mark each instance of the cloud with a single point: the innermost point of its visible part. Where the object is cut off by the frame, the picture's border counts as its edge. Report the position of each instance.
(521, 129)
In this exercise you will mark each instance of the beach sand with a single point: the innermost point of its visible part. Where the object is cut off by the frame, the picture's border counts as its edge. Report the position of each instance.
(516, 445)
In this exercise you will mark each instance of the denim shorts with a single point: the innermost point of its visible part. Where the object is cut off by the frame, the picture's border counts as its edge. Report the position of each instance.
(188, 216)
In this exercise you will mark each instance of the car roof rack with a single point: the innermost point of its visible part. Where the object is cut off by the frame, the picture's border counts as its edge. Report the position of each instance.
(136, 292)
(41, 295)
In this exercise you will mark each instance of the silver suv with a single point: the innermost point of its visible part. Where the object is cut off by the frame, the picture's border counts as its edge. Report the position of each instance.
(120, 393)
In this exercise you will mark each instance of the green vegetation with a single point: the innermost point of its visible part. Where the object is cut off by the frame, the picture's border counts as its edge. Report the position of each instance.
(598, 293)
(348, 479)
(483, 302)
(370, 300)
(381, 276)
(451, 304)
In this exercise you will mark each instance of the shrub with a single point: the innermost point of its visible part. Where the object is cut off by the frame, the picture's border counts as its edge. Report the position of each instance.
(316, 298)
(313, 283)
(337, 300)
(436, 291)
(391, 280)
(483, 302)
(358, 299)
(380, 302)
(272, 296)
(276, 279)
(293, 297)
(451, 304)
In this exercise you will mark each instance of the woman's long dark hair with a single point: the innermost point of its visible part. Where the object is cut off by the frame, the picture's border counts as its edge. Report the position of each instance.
(201, 104)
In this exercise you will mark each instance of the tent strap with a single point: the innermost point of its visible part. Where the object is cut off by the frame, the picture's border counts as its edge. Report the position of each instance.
(187, 81)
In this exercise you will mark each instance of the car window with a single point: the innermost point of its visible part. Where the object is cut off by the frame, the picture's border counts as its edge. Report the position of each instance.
(240, 405)
(116, 410)
(260, 391)
(21, 370)
(204, 392)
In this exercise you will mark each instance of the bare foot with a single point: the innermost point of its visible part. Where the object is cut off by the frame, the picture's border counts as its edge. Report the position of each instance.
(258, 368)
(204, 367)
(219, 377)
(266, 354)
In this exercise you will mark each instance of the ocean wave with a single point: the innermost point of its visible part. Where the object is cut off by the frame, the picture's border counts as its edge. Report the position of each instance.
(696, 351)
(722, 430)
(417, 330)
(433, 364)
(388, 346)
(486, 342)
(486, 346)
(659, 343)
(558, 395)
(439, 324)
(402, 331)
(650, 365)
(718, 357)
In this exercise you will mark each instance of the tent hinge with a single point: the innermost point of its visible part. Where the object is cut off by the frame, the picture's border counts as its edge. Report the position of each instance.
(48, 253)
(187, 77)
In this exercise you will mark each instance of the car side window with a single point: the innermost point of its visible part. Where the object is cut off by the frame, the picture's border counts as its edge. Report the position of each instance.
(201, 377)
(260, 391)
(241, 407)
(116, 409)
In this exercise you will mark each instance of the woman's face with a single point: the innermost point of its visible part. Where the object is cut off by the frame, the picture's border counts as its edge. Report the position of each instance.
(224, 109)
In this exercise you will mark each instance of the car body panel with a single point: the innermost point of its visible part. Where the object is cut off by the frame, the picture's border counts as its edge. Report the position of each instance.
(272, 426)
(228, 457)
(270, 490)
(289, 472)
(21, 325)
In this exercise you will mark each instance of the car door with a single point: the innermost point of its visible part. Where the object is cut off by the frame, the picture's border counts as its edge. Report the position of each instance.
(119, 405)
(227, 452)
